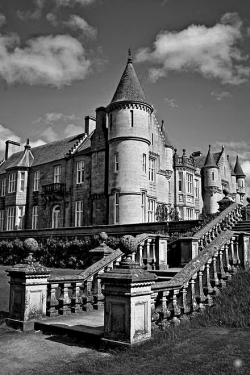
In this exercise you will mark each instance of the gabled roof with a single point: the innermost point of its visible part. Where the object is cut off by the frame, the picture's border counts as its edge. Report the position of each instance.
(238, 170)
(129, 87)
(47, 153)
(210, 162)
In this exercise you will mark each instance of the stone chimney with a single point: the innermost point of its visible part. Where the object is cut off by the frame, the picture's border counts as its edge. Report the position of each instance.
(10, 148)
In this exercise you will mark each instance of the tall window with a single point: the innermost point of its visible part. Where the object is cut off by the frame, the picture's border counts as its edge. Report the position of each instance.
(143, 207)
(4, 185)
(21, 210)
(152, 138)
(12, 183)
(1, 220)
(79, 214)
(110, 120)
(213, 176)
(132, 118)
(151, 210)
(189, 183)
(11, 214)
(55, 217)
(151, 170)
(57, 174)
(196, 188)
(116, 213)
(34, 217)
(144, 163)
(116, 162)
(22, 181)
(180, 181)
(80, 172)
(190, 213)
(36, 181)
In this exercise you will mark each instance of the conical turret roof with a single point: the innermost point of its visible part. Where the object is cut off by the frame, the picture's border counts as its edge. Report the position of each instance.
(238, 170)
(210, 162)
(129, 87)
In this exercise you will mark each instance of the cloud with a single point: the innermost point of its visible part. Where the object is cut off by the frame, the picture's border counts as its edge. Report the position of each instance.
(52, 117)
(78, 23)
(72, 129)
(234, 148)
(47, 60)
(2, 19)
(49, 134)
(71, 3)
(6, 134)
(220, 95)
(51, 18)
(213, 52)
(171, 103)
(36, 14)
(38, 142)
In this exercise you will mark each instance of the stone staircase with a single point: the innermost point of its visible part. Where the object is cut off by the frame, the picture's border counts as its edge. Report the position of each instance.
(242, 226)
(209, 259)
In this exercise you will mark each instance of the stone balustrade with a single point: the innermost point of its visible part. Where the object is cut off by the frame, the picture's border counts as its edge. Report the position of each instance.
(196, 285)
(189, 247)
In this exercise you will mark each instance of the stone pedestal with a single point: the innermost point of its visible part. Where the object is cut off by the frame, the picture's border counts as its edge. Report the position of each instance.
(189, 249)
(245, 243)
(28, 294)
(101, 251)
(127, 315)
(162, 253)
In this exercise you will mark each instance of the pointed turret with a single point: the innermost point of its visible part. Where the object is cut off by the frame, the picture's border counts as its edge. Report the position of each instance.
(209, 162)
(129, 87)
(238, 169)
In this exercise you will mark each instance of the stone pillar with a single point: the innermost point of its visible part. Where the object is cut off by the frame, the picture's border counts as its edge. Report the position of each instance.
(103, 250)
(127, 306)
(246, 250)
(162, 253)
(189, 249)
(28, 291)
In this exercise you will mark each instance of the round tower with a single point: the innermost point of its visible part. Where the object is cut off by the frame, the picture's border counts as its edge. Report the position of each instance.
(210, 183)
(129, 140)
(240, 181)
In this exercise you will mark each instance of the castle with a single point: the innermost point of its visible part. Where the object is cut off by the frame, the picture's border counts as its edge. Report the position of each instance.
(117, 171)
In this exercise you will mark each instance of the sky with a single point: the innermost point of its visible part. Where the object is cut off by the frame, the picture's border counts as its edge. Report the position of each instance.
(61, 59)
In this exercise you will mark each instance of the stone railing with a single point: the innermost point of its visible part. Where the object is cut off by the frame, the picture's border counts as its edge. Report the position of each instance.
(151, 251)
(186, 248)
(200, 280)
(71, 294)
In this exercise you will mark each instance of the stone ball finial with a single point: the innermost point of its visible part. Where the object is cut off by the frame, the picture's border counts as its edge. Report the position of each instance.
(103, 238)
(31, 245)
(225, 191)
(128, 245)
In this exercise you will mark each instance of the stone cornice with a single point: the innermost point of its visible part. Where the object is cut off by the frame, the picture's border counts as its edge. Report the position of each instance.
(129, 138)
(128, 105)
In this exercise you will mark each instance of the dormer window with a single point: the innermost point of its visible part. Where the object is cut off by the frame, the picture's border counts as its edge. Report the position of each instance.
(57, 174)
(4, 186)
(12, 183)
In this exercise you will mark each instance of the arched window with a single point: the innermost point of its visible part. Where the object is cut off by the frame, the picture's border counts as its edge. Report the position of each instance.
(55, 216)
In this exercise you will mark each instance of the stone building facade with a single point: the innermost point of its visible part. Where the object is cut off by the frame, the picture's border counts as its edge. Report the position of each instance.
(117, 171)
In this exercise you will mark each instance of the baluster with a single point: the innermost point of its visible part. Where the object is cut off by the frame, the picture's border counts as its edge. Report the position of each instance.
(153, 254)
(212, 233)
(208, 235)
(194, 304)
(237, 251)
(76, 299)
(215, 279)
(228, 266)
(140, 255)
(154, 315)
(200, 291)
(165, 312)
(200, 244)
(220, 227)
(88, 295)
(52, 301)
(176, 308)
(221, 268)
(233, 257)
(185, 307)
(98, 296)
(208, 287)
(64, 300)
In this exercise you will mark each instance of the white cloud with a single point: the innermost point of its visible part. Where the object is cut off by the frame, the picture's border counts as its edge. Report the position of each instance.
(72, 129)
(36, 14)
(49, 134)
(38, 142)
(78, 23)
(51, 18)
(2, 19)
(51, 117)
(6, 134)
(213, 52)
(171, 103)
(71, 3)
(220, 95)
(47, 60)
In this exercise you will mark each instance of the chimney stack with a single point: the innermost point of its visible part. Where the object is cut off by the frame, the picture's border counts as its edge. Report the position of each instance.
(7, 148)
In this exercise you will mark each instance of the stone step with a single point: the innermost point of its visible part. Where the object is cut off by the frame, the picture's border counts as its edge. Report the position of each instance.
(85, 326)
